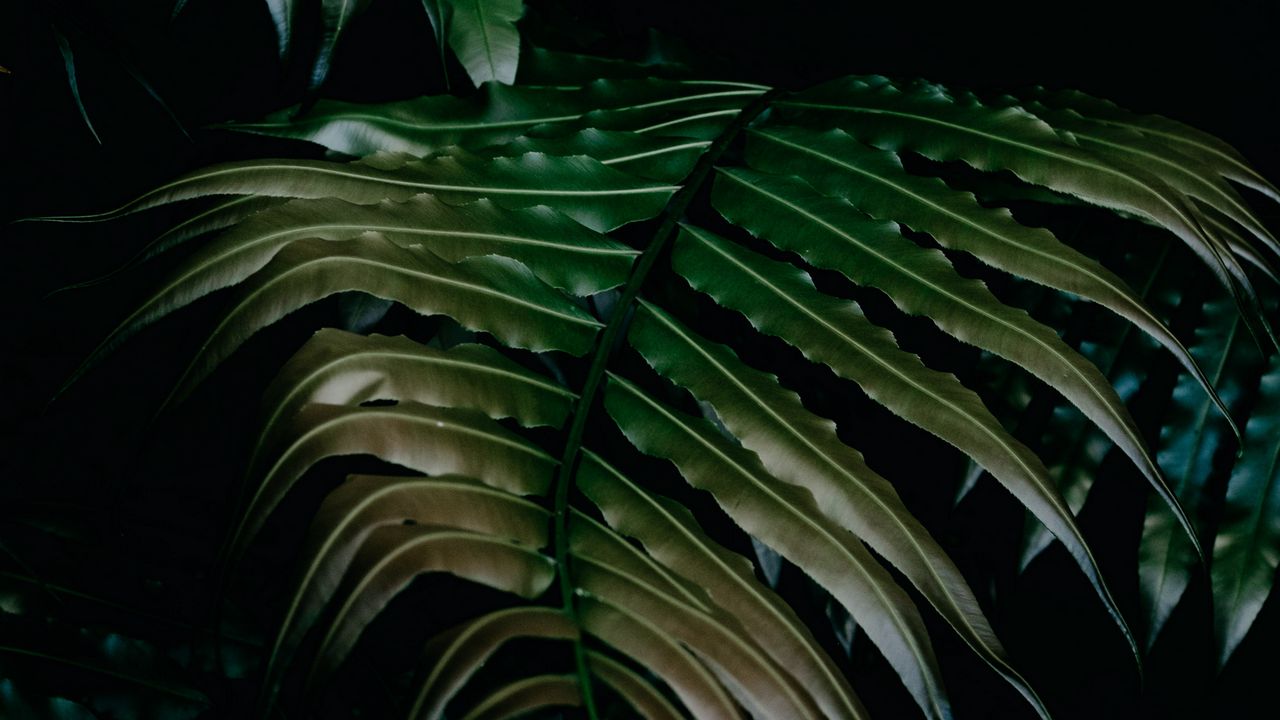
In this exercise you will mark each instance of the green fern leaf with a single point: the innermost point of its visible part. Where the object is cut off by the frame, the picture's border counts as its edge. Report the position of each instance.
(922, 282)
(875, 182)
(673, 537)
(1247, 549)
(1189, 442)
(500, 113)
(780, 514)
(508, 212)
(491, 293)
(925, 119)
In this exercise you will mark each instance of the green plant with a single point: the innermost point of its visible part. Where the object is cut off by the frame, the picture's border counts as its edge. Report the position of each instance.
(482, 34)
(580, 339)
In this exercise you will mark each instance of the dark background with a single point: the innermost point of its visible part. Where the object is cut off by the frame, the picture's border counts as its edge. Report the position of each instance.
(1213, 66)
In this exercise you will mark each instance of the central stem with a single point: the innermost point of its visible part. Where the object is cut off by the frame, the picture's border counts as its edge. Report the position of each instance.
(605, 346)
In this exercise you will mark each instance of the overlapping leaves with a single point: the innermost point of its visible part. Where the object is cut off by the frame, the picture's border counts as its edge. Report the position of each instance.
(495, 212)
(482, 34)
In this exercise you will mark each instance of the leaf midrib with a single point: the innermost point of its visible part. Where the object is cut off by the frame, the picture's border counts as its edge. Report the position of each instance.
(362, 415)
(459, 643)
(445, 536)
(484, 37)
(780, 419)
(392, 268)
(1253, 226)
(440, 187)
(307, 379)
(1201, 416)
(656, 152)
(195, 219)
(1025, 146)
(1156, 328)
(761, 661)
(142, 312)
(412, 419)
(890, 607)
(1173, 537)
(1231, 161)
(961, 301)
(412, 230)
(1051, 257)
(1031, 474)
(427, 127)
(685, 119)
(675, 525)
(1254, 526)
(351, 516)
(373, 176)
